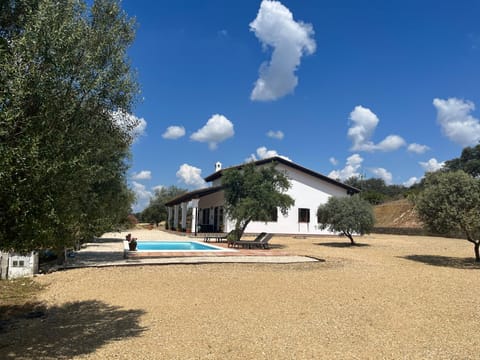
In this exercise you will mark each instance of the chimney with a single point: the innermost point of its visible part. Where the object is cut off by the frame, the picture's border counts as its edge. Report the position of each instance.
(218, 166)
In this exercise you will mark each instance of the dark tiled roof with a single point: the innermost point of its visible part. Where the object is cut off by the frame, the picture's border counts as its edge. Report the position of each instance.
(193, 195)
(278, 159)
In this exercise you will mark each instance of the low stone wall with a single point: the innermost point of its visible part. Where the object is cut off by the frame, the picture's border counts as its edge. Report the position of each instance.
(401, 231)
(414, 232)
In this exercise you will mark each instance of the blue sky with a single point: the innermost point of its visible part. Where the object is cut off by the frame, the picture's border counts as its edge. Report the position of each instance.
(374, 88)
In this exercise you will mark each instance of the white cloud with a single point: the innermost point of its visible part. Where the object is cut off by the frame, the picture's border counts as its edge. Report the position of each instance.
(174, 132)
(279, 135)
(142, 175)
(431, 165)
(275, 27)
(135, 126)
(390, 143)
(354, 162)
(264, 153)
(217, 129)
(457, 124)
(142, 196)
(383, 174)
(364, 124)
(417, 148)
(191, 176)
(413, 180)
(333, 161)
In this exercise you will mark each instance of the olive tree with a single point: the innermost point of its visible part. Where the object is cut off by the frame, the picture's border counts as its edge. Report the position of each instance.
(348, 215)
(66, 89)
(156, 211)
(450, 202)
(253, 193)
(469, 161)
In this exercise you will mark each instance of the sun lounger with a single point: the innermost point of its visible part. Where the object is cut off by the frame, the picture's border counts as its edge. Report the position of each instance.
(218, 237)
(232, 242)
(260, 241)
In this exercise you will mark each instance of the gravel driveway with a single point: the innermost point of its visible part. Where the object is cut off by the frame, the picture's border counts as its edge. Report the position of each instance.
(395, 297)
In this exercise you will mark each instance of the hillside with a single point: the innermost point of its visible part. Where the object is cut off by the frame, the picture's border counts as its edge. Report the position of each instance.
(396, 214)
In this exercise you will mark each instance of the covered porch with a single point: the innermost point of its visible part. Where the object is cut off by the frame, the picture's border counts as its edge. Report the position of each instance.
(199, 211)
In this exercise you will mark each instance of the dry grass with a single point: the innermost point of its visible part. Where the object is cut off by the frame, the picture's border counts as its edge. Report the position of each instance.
(396, 297)
(17, 297)
(398, 213)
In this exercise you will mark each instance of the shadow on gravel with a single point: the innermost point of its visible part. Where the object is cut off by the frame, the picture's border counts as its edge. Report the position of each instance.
(62, 332)
(341, 244)
(445, 261)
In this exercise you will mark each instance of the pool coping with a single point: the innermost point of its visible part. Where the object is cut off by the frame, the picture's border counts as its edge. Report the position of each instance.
(217, 248)
(110, 252)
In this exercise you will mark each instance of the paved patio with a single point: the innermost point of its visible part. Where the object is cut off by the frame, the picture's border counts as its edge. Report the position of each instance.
(108, 251)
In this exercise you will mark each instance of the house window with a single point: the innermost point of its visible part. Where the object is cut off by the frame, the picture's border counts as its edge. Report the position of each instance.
(303, 215)
(220, 219)
(206, 216)
(19, 263)
(217, 219)
(271, 217)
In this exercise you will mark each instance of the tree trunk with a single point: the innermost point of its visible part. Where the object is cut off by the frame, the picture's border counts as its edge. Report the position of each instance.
(239, 229)
(476, 245)
(60, 252)
(347, 234)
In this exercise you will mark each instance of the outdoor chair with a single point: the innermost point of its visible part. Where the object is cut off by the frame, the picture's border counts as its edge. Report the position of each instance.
(232, 242)
(218, 237)
(260, 241)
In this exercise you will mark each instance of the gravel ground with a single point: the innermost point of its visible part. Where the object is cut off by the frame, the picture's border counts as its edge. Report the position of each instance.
(395, 297)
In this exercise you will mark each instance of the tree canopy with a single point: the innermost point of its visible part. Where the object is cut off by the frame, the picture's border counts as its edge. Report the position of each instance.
(66, 88)
(469, 161)
(375, 190)
(347, 215)
(450, 202)
(156, 211)
(252, 193)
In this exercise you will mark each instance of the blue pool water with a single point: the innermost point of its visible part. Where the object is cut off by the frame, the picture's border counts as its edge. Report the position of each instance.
(174, 246)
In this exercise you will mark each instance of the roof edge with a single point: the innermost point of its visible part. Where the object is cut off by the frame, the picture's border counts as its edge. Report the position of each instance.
(281, 160)
(195, 194)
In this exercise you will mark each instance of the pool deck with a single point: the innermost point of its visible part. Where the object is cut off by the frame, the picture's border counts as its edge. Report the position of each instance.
(109, 251)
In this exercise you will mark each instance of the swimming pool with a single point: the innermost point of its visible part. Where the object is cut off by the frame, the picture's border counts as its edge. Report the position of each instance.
(176, 246)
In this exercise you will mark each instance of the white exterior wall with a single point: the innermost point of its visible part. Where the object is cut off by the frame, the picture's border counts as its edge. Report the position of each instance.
(308, 192)
(183, 221)
(21, 265)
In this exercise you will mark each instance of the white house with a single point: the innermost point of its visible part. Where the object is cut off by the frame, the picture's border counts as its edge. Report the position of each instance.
(202, 210)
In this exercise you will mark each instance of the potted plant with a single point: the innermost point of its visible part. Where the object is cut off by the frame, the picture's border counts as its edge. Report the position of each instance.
(132, 244)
